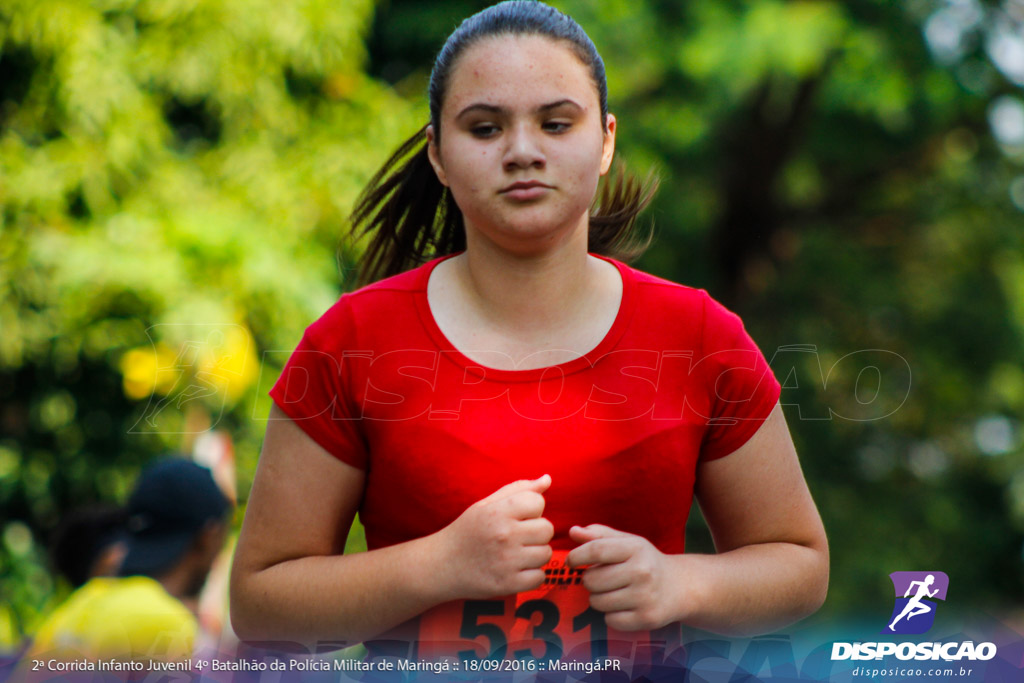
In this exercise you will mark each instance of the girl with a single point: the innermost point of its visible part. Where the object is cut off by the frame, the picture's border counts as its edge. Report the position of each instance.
(521, 421)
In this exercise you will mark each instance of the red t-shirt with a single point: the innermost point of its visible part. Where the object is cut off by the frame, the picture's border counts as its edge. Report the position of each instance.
(676, 380)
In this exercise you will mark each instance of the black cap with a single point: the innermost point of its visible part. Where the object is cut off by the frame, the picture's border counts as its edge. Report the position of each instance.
(173, 500)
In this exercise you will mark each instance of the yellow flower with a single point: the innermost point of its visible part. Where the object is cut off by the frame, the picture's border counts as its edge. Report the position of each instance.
(228, 360)
(148, 370)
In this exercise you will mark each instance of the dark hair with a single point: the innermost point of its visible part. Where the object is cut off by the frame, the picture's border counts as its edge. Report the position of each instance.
(411, 217)
(82, 536)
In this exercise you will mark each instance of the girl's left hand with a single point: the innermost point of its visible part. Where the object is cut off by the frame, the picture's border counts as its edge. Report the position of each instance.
(628, 578)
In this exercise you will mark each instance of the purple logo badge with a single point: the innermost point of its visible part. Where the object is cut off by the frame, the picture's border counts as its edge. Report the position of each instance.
(915, 595)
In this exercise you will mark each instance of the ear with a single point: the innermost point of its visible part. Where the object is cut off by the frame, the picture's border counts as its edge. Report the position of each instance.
(609, 145)
(435, 156)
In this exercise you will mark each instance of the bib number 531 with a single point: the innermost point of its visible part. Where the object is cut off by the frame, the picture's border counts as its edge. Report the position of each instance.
(543, 621)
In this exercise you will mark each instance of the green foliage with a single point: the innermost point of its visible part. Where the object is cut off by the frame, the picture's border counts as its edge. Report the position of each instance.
(172, 172)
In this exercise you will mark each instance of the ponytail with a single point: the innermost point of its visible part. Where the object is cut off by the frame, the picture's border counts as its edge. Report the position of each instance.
(613, 229)
(408, 214)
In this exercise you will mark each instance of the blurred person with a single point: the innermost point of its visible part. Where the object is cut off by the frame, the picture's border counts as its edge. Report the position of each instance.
(89, 542)
(176, 526)
(520, 419)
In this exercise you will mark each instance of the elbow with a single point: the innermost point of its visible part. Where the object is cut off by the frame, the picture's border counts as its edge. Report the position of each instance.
(817, 591)
(250, 620)
(245, 620)
(807, 589)
(817, 577)
(244, 625)
(258, 630)
(253, 635)
(261, 621)
(807, 594)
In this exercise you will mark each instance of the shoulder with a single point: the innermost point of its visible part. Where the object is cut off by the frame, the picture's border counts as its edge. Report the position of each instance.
(144, 599)
(368, 304)
(653, 289)
(683, 312)
(157, 622)
(414, 280)
(658, 294)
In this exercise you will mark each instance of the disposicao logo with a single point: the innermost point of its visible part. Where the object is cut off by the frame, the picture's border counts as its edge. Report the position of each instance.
(916, 593)
(914, 613)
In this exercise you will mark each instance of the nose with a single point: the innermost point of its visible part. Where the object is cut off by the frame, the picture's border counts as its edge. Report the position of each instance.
(523, 149)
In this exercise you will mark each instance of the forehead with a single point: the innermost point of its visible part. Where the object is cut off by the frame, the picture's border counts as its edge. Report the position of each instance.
(520, 70)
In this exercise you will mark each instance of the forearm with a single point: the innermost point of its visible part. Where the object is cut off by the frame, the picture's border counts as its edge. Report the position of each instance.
(752, 589)
(348, 598)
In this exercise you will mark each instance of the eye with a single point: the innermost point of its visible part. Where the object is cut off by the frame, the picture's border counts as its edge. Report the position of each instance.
(483, 130)
(556, 126)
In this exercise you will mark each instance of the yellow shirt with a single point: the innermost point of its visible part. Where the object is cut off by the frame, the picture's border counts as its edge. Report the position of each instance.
(117, 618)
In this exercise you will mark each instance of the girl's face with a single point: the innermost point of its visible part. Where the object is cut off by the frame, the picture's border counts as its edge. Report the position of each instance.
(522, 145)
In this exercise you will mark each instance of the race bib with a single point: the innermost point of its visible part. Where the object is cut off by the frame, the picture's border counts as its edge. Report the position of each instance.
(554, 621)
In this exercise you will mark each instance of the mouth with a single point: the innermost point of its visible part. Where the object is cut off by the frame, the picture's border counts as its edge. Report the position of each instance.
(526, 189)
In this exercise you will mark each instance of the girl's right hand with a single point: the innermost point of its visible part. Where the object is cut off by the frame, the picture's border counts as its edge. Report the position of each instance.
(499, 545)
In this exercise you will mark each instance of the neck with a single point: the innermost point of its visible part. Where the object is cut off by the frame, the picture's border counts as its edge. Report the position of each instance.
(178, 584)
(529, 293)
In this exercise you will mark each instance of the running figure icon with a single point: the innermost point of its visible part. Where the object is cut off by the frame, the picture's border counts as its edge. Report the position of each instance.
(915, 606)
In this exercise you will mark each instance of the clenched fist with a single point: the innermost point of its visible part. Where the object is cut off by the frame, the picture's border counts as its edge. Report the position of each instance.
(499, 545)
(626, 575)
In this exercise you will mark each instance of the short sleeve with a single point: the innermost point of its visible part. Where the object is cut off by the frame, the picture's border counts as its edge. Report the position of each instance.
(314, 386)
(741, 386)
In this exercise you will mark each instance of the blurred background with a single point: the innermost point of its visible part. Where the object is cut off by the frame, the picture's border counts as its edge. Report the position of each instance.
(175, 177)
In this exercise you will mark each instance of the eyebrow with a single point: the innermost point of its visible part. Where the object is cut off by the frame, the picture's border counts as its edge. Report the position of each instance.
(494, 109)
